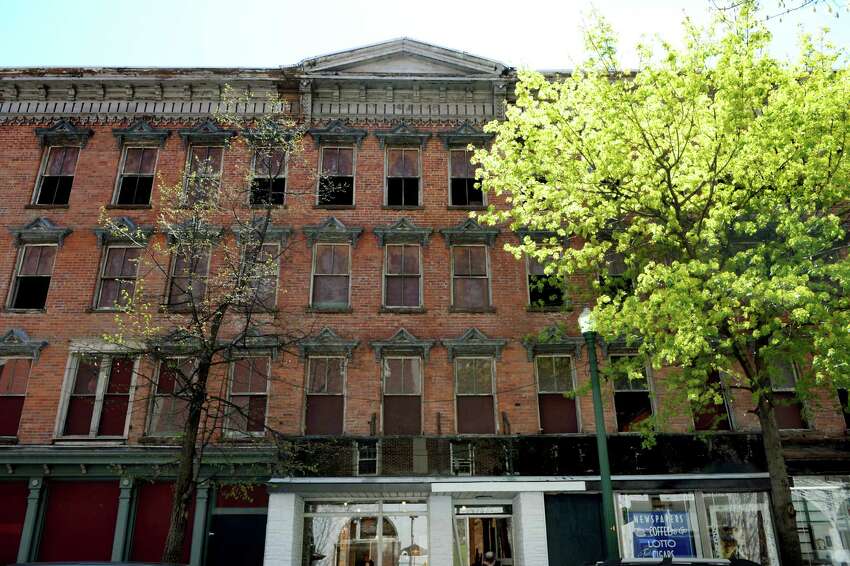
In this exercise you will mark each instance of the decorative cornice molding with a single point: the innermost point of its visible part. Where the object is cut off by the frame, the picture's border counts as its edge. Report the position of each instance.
(16, 342)
(473, 342)
(332, 230)
(271, 233)
(464, 135)
(63, 132)
(403, 231)
(469, 232)
(403, 134)
(141, 132)
(126, 232)
(207, 132)
(191, 225)
(337, 132)
(40, 231)
(553, 342)
(402, 343)
(327, 342)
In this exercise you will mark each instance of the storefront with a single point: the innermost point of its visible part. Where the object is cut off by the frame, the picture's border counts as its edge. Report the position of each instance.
(823, 518)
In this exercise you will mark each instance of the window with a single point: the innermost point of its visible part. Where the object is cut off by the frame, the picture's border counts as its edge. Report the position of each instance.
(470, 281)
(543, 290)
(14, 374)
(331, 275)
(462, 458)
(263, 276)
(402, 279)
(843, 401)
(99, 398)
(711, 414)
(325, 400)
(632, 397)
(463, 191)
(475, 404)
(57, 177)
(786, 405)
(118, 277)
(402, 395)
(658, 526)
(822, 504)
(188, 279)
(205, 164)
(268, 186)
(617, 279)
(367, 452)
(35, 269)
(336, 183)
(554, 380)
(403, 177)
(248, 395)
(170, 400)
(137, 172)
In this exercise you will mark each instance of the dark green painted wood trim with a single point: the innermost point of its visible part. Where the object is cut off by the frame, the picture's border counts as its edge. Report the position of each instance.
(25, 549)
(122, 521)
(199, 528)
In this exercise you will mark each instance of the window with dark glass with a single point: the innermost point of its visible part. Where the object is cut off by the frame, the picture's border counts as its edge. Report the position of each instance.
(402, 177)
(118, 277)
(543, 290)
(14, 374)
(474, 388)
(463, 191)
(249, 395)
(402, 395)
(331, 275)
(470, 278)
(554, 382)
(99, 397)
(632, 395)
(402, 276)
(169, 408)
(268, 185)
(204, 177)
(336, 183)
(367, 457)
(714, 413)
(137, 173)
(263, 278)
(325, 400)
(617, 279)
(843, 400)
(57, 178)
(188, 279)
(787, 406)
(32, 282)
(462, 458)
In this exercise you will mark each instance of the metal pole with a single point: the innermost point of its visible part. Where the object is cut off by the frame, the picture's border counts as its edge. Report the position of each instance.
(608, 514)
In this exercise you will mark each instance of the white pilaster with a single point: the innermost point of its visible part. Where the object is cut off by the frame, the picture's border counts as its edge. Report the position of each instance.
(284, 530)
(440, 529)
(530, 529)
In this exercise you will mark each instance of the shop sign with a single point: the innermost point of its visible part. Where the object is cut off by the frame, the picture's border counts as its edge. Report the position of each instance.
(659, 534)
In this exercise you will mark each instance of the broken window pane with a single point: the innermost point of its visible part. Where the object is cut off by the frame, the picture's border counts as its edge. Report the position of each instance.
(336, 184)
(463, 191)
(268, 186)
(137, 176)
(33, 280)
(543, 290)
(58, 177)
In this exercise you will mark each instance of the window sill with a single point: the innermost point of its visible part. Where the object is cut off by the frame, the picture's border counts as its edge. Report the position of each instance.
(392, 207)
(48, 206)
(334, 206)
(330, 309)
(243, 437)
(466, 207)
(485, 310)
(8, 440)
(128, 206)
(164, 440)
(402, 310)
(268, 206)
(102, 310)
(25, 311)
(562, 308)
(86, 441)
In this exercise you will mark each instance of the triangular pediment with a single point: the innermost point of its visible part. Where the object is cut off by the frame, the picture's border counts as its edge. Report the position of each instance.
(402, 57)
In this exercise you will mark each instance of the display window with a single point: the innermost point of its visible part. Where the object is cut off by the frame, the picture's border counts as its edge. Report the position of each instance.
(483, 535)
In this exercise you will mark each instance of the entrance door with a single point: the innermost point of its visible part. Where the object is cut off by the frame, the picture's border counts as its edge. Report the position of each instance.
(479, 537)
(236, 539)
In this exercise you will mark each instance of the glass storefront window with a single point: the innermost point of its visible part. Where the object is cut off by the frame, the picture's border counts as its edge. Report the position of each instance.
(658, 526)
(481, 530)
(823, 518)
(739, 526)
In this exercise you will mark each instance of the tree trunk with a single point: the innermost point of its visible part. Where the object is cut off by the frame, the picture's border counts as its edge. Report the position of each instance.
(184, 486)
(784, 516)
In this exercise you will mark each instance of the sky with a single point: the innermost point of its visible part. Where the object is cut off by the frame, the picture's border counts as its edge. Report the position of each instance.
(538, 34)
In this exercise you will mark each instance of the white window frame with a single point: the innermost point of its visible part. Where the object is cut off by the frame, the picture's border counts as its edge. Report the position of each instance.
(419, 189)
(357, 457)
(353, 149)
(103, 262)
(105, 360)
(492, 393)
(307, 391)
(45, 158)
(285, 176)
(573, 384)
(120, 175)
(10, 299)
(727, 402)
(154, 396)
(386, 275)
(489, 277)
(3, 361)
(650, 389)
(231, 432)
(449, 188)
(385, 372)
(313, 275)
(469, 449)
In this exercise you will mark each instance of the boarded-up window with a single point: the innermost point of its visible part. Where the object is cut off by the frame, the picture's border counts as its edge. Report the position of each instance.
(137, 173)
(543, 290)
(402, 395)
(248, 395)
(325, 399)
(171, 396)
(463, 191)
(188, 278)
(204, 177)
(402, 177)
(331, 275)
(32, 281)
(268, 186)
(263, 271)
(714, 414)
(13, 494)
(402, 276)
(14, 374)
(79, 521)
(54, 187)
(150, 526)
(118, 277)
(470, 281)
(98, 404)
(336, 182)
(786, 404)
(474, 389)
(554, 381)
(632, 396)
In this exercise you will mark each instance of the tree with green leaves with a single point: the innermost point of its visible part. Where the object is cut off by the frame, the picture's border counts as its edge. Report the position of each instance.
(710, 191)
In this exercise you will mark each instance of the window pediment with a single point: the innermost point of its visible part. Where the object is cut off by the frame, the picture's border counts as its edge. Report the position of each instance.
(64, 132)
(40, 231)
(403, 135)
(206, 132)
(16, 342)
(141, 132)
(470, 232)
(337, 132)
(402, 343)
(123, 231)
(332, 230)
(464, 135)
(553, 341)
(327, 342)
(473, 342)
(404, 231)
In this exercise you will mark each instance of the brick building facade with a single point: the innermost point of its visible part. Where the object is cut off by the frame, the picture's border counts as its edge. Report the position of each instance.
(446, 416)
